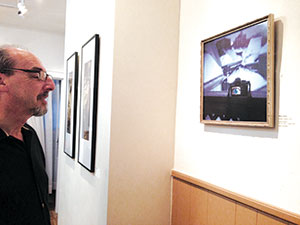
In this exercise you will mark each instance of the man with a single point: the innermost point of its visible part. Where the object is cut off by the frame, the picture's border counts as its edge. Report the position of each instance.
(24, 87)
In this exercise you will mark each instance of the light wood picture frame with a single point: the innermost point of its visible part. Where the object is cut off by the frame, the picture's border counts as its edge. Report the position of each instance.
(237, 76)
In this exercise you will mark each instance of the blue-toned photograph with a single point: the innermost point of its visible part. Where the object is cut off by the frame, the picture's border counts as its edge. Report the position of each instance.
(235, 75)
(238, 57)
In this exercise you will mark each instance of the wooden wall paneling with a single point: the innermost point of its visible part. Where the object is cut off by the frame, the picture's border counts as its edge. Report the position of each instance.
(198, 208)
(221, 211)
(245, 215)
(264, 219)
(289, 217)
(181, 203)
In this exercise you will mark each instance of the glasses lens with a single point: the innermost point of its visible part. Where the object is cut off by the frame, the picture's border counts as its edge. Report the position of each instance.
(43, 75)
(48, 76)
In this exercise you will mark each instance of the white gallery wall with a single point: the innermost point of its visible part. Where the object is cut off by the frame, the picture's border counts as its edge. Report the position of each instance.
(81, 195)
(263, 164)
(143, 111)
(136, 114)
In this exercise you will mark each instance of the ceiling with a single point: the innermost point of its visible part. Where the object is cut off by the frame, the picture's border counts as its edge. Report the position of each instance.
(45, 15)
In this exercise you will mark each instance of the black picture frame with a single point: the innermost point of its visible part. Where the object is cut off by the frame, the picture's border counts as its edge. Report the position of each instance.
(71, 104)
(237, 76)
(90, 52)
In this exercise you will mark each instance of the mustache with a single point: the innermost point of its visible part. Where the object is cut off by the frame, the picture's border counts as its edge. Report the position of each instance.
(43, 95)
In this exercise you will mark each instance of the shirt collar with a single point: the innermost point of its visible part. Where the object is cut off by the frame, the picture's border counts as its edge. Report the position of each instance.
(2, 134)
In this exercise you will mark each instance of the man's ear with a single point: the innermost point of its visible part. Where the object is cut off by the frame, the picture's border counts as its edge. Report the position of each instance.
(3, 86)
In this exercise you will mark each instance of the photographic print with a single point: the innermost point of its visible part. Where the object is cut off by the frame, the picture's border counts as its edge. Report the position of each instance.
(237, 76)
(86, 100)
(89, 98)
(71, 107)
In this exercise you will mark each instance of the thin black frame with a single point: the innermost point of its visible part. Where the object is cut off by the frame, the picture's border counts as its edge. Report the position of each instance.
(70, 123)
(247, 108)
(90, 55)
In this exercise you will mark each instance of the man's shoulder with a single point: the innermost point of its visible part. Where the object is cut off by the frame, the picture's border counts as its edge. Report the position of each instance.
(29, 128)
(2, 134)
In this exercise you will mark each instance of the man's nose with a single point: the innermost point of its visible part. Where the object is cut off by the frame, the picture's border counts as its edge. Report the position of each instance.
(50, 86)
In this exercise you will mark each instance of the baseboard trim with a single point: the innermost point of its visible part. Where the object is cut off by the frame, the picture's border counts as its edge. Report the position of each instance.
(263, 207)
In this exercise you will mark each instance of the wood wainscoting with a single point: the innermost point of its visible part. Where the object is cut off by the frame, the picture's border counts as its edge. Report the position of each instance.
(197, 202)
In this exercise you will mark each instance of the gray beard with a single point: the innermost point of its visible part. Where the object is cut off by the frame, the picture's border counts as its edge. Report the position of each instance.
(39, 111)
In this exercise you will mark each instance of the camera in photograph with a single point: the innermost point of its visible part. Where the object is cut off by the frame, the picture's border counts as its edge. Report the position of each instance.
(239, 88)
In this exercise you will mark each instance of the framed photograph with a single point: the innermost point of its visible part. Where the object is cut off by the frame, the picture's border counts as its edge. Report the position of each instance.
(89, 98)
(237, 76)
(71, 104)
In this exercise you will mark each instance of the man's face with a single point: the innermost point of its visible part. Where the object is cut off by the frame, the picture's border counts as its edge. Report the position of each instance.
(26, 92)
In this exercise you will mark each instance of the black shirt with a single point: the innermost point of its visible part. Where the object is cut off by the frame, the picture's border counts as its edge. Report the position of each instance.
(23, 180)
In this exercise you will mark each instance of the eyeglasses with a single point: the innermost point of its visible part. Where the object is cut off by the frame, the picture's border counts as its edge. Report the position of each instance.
(42, 75)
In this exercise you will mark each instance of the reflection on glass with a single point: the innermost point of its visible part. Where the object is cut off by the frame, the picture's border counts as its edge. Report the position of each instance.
(86, 100)
(69, 102)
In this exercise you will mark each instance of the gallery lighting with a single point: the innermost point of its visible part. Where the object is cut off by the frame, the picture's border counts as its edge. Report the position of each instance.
(20, 6)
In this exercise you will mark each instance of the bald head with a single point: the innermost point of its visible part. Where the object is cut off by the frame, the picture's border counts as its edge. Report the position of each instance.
(10, 56)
